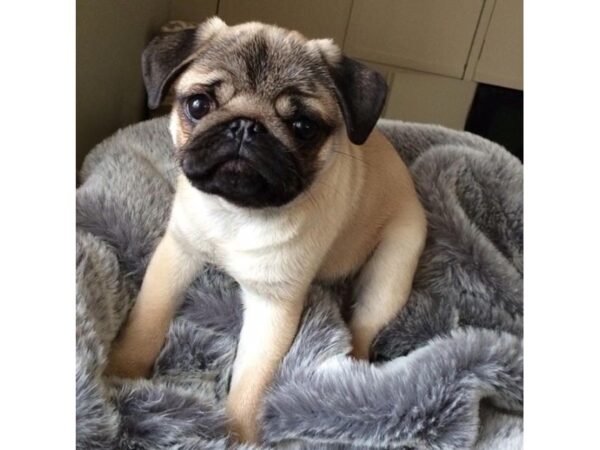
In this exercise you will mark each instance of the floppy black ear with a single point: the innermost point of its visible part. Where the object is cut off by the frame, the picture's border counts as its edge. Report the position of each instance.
(164, 58)
(361, 94)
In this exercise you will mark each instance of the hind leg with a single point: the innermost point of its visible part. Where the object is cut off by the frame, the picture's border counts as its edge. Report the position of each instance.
(385, 282)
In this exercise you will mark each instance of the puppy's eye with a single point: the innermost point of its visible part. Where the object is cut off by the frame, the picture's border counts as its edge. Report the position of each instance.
(305, 129)
(197, 106)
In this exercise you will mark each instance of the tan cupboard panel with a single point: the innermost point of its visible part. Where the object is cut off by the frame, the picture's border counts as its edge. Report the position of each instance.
(193, 10)
(428, 35)
(314, 18)
(110, 38)
(426, 98)
(501, 60)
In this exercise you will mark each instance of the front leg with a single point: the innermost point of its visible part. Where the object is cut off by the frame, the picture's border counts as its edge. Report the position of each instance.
(385, 282)
(169, 273)
(269, 327)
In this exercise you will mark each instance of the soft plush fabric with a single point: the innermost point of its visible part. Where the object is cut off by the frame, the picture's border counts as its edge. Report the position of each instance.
(448, 370)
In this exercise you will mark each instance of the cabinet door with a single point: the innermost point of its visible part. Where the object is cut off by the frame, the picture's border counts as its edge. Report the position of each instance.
(428, 35)
(193, 10)
(314, 18)
(427, 98)
(501, 60)
(110, 38)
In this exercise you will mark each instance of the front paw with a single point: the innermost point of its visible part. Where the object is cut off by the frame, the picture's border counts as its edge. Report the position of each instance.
(362, 338)
(242, 422)
(244, 433)
(361, 354)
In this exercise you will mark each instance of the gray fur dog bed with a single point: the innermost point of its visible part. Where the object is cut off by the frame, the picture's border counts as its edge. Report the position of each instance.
(447, 372)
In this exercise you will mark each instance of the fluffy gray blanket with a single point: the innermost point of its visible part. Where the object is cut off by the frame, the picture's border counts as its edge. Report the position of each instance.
(447, 373)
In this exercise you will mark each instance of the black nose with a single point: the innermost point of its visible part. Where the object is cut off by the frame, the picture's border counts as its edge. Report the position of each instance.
(245, 129)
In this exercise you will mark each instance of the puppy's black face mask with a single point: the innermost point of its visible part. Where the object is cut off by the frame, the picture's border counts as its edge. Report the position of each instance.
(242, 162)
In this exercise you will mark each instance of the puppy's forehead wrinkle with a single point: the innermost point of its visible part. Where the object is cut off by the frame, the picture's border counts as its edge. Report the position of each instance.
(256, 58)
(265, 60)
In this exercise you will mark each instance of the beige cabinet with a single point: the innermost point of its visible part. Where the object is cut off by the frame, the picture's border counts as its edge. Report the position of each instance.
(501, 59)
(193, 10)
(110, 37)
(314, 18)
(429, 98)
(426, 35)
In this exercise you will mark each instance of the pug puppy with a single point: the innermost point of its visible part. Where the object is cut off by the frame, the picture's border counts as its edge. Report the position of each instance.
(284, 180)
